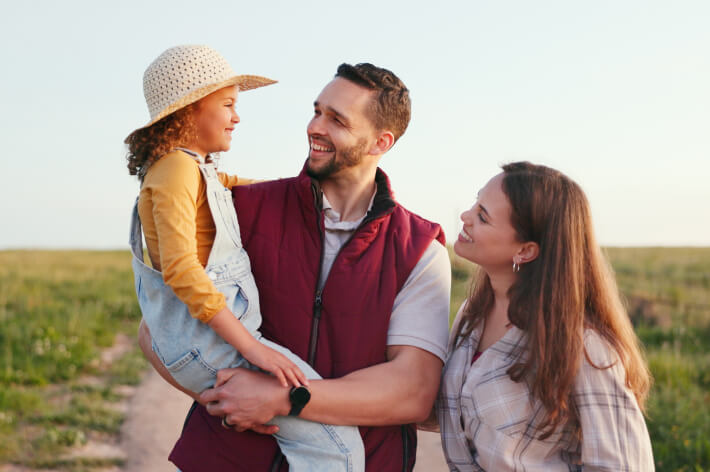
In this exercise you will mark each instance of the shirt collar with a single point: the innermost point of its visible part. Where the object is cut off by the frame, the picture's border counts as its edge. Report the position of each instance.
(332, 217)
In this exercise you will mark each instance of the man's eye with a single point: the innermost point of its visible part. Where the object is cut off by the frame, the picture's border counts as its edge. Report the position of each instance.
(480, 217)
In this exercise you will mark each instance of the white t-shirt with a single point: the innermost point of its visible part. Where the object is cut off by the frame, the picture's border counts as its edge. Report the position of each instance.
(420, 315)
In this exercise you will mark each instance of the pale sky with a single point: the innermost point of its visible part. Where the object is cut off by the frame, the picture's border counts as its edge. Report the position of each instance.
(613, 93)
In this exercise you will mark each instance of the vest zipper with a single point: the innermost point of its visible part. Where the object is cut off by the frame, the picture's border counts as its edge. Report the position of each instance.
(318, 299)
(318, 302)
(317, 309)
(405, 448)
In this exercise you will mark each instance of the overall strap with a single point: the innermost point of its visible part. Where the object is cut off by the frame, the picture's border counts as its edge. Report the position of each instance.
(135, 239)
(227, 236)
(219, 198)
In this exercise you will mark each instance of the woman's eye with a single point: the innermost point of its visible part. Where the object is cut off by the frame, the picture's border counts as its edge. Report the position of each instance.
(480, 217)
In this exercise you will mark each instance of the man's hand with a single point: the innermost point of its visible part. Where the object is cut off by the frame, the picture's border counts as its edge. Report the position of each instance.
(247, 399)
(399, 391)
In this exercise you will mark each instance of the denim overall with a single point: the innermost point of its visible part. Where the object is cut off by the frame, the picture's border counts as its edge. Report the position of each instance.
(193, 352)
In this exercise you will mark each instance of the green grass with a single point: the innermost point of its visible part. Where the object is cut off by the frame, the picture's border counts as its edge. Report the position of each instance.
(58, 310)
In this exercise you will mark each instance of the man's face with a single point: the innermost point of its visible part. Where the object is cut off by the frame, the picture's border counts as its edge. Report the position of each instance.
(340, 134)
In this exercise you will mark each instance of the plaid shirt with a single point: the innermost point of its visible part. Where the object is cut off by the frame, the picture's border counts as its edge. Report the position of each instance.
(488, 422)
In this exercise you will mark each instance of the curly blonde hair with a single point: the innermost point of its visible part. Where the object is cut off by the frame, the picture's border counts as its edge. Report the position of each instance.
(147, 145)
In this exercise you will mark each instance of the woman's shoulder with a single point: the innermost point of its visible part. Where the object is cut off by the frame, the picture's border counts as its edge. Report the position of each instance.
(598, 350)
(601, 364)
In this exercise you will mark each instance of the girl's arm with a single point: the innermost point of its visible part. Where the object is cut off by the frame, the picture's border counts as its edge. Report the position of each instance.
(174, 186)
(230, 181)
(229, 328)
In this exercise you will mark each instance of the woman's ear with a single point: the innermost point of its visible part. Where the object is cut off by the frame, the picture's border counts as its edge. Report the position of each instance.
(528, 252)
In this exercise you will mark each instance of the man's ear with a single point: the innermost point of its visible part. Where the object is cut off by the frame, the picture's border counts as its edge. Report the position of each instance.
(528, 252)
(385, 140)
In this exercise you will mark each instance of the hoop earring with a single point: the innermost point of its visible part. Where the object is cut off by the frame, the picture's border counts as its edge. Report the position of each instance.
(516, 267)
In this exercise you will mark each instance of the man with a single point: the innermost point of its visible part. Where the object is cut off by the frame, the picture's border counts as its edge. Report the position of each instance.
(349, 280)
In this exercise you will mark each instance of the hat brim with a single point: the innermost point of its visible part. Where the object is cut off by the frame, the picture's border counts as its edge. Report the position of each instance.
(244, 82)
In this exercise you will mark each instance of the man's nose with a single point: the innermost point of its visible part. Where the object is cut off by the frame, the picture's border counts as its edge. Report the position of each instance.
(315, 126)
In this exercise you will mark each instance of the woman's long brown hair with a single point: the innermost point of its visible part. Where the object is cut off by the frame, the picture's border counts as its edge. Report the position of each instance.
(567, 288)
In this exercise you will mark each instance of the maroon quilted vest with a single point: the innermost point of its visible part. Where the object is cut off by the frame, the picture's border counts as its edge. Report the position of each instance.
(338, 331)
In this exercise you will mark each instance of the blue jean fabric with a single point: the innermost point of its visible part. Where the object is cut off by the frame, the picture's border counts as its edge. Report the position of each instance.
(193, 353)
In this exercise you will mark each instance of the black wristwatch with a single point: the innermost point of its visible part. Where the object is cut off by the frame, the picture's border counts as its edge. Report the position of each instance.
(299, 397)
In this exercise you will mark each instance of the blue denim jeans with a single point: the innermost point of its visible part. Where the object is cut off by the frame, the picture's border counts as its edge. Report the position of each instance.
(193, 353)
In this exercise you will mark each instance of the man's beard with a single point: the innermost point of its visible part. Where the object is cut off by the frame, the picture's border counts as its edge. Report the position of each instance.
(343, 159)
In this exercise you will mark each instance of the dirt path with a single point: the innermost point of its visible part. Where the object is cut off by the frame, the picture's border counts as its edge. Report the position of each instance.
(154, 420)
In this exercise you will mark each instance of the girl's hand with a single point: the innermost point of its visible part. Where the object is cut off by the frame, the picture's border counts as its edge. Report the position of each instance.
(272, 361)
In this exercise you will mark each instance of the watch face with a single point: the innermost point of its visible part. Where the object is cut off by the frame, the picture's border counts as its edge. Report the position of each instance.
(300, 395)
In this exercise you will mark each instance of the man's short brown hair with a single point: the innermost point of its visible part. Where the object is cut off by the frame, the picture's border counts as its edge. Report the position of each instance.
(391, 108)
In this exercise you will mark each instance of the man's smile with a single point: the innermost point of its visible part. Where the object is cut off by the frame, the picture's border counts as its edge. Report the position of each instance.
(320, 145)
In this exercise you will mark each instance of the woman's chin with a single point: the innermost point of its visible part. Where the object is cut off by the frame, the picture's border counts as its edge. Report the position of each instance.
(461, 251)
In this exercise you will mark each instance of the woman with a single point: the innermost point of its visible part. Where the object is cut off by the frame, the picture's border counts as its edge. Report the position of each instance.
(544, 371)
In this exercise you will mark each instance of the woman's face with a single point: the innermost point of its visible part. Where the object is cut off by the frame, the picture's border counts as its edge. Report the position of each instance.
(215, 118)
(487, 237)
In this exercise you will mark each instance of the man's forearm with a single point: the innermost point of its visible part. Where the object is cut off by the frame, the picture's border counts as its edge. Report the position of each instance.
(401, 390)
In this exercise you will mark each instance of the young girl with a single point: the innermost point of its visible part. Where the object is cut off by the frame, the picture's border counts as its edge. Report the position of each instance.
(199, 300)
(544, 371)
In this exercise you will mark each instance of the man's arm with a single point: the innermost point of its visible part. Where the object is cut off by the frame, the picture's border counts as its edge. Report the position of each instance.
(144, 341)
(399, 391)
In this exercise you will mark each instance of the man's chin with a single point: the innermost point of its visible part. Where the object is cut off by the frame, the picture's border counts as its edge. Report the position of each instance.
(313, 173)
(318, 170)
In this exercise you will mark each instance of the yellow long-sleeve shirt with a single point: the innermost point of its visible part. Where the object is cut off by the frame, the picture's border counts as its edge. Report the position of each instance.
(179, 230)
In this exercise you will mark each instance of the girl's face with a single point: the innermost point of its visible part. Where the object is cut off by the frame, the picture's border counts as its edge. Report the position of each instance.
(215, 118)
(487, 237)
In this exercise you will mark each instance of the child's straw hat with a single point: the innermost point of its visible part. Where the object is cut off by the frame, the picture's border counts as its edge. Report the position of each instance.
(184, 74)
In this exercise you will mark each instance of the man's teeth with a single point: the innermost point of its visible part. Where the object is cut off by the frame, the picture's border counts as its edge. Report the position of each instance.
(466, 236)
(317, 147)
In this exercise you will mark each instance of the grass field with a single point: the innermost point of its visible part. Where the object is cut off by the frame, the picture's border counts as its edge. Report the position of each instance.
(60, 310)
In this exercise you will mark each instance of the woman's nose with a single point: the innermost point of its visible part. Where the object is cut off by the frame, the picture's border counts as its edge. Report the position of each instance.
(466, 216)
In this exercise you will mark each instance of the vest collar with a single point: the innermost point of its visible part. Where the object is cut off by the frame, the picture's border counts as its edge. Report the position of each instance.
(382, 205)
